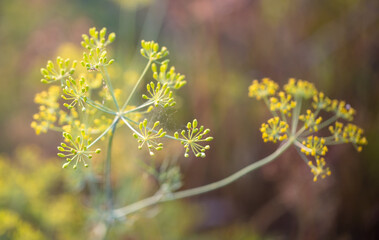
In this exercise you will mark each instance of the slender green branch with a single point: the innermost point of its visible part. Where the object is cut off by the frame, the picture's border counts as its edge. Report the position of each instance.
(121, 212)
(136, 85)
(100, 107)
(109, 85)
(327, 122)
(108, 183)
(296, 113)
(268, 106)
(126, 119)
(114, 123)
(139, 107)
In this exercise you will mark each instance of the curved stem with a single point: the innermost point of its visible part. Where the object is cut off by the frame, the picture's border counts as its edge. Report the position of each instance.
(121, 212)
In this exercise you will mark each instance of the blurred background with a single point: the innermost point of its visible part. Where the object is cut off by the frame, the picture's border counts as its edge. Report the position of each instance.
(221, 46)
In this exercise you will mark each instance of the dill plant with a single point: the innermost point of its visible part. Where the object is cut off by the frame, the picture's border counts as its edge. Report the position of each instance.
(82, 104)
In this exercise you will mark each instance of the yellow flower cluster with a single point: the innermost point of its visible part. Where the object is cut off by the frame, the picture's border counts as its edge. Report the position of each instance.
(49, 106)
(342, 110)
(284, 104)
(262, 89)
(320, 101)
(149, 136)
(314, 146)
(300, 88)
(288, 103)
(274, 130)
(319, 169)
(309, 121)
(76, 149)
(354, 134)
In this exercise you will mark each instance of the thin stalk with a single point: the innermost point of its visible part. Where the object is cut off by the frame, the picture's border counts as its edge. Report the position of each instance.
(327, 122)
(108, 183)
(121, 212)
(296, 113)
(99, 107)
(139, 107)
(114, 123)
(268, 106)
(126, 120)
(110, 88)
(136, 85)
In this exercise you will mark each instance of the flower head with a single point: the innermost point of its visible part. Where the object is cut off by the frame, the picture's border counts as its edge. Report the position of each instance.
(274, 130)
(284, 104)
(319, 169)
(171, 78)
(64, 70)
(354, 134)
(314, 146)
(310, 122)
(192, 139)
(262, 89)
(76, 149)
(149, 136)
(300, 88)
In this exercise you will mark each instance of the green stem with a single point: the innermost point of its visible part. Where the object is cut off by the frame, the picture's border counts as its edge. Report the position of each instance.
(121, 212)
(99, 107)
(110, 88)
(296, 113)
(108, 182)
(136, 85)
(126, 120)
(327, 122)
(113, 125)
(138, 108)
(265, 99)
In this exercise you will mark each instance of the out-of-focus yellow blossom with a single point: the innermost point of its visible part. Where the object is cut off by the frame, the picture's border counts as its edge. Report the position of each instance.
(284, 104)
(262, 89)
(314, 146)
(310, 122)
(300, 88)
(319, 169)
(274, 130)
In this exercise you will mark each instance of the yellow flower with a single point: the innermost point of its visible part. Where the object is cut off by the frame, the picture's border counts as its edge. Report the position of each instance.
(284, 104)
(300, 88)
(274, 130)
(266, 88)
(314, 146)
(319, 169)
(310, 121)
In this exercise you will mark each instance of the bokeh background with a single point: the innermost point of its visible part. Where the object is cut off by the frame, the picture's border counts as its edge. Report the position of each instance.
(221, 46)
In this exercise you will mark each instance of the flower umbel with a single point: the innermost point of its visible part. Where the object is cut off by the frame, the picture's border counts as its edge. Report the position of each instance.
(149, 136)
(192, 137)
(262, 89)
(274, 130)
(354, 134)
(160, 95)
(310, 122)
(171, 78)
(75, 91)
(76, 149)
(300, 88)
(284, 104)
(314, 146)
(51, 74)
(319, 169)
